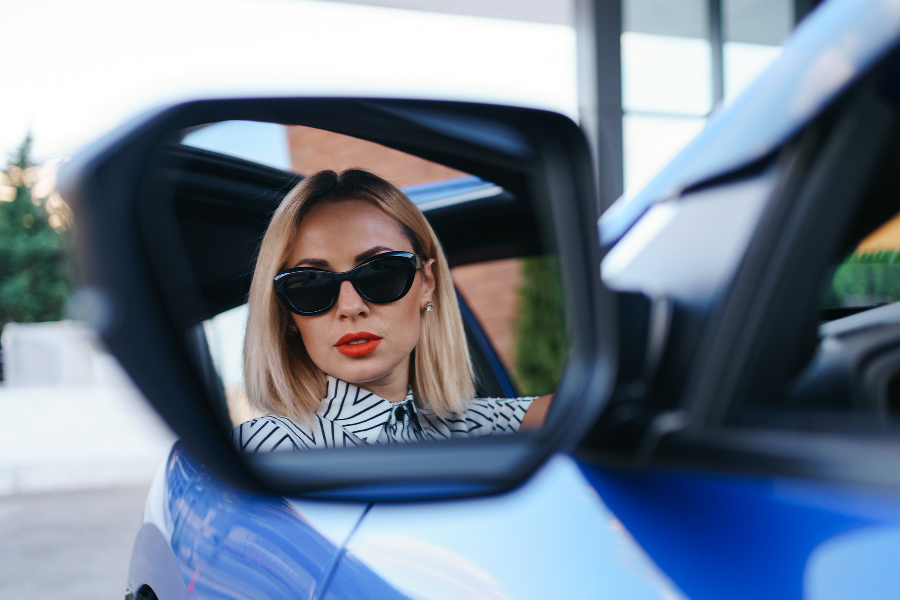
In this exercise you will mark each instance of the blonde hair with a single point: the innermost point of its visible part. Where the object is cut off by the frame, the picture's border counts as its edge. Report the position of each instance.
(279, 374)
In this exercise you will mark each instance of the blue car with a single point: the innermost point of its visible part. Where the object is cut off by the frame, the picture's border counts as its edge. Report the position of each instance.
(727, 424)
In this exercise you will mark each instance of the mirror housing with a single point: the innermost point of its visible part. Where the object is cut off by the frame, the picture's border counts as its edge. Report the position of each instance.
(143, 323)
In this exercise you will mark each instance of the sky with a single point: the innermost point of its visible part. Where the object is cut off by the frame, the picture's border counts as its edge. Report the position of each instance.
(73, 70)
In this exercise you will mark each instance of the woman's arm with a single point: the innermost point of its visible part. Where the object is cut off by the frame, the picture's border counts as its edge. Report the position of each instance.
(537, 412)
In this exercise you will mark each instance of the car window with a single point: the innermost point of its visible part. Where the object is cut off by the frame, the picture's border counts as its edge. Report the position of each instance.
(870, 275)
(508, 286)
(225, 337)
(851, 363)
(262, 143)
(304, 150)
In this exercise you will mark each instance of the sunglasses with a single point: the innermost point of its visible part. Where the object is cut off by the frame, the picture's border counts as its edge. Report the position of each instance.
(381, 279)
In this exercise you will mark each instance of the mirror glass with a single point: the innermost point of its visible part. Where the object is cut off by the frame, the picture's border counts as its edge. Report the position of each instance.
(364, 327)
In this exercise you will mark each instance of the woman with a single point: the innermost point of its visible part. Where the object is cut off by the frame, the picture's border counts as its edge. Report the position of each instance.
(354, 335)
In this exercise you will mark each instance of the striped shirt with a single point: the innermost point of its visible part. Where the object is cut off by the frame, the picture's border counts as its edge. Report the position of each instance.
(352, 416)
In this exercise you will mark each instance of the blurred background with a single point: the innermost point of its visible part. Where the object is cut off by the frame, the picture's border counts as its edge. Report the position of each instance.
(78, 446)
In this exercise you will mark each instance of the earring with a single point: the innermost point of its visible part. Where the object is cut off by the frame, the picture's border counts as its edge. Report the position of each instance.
(293, 329)
(429, 307)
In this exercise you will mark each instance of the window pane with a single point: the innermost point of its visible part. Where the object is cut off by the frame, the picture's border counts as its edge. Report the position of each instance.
(666, 56)
(225, 337)
(680, 18)
(650, 142)
(754, 31)
(763, 22)
(666, 74)
(263, 143)
(305, 150)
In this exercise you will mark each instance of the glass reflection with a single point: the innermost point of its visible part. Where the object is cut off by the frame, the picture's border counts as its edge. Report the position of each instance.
(358, 367)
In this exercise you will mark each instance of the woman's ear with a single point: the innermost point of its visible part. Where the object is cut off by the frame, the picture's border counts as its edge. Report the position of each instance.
(427, 282)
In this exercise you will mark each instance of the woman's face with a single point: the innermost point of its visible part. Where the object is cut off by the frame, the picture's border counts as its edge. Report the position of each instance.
(337, 236)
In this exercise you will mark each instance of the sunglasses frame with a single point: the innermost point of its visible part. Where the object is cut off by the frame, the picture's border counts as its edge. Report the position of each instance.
(280, 281)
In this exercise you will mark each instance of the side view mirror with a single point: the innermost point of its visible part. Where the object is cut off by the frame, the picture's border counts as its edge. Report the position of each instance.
(171, 212)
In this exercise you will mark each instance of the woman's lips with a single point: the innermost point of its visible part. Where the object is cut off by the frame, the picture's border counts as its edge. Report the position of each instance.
(357, 344)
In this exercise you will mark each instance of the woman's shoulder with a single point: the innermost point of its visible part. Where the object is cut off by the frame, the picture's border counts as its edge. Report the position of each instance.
(489, 403)
(491, 399)
(269, 433)
(273, 432)
(482, 416)
(521, 402)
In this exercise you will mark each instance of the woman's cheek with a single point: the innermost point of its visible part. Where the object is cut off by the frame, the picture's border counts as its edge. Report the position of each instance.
(313, 340)
(413, 328)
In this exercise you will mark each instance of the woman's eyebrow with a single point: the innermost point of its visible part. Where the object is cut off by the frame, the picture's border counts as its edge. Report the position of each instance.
(313, 262)
(321, 263)
(372, 252)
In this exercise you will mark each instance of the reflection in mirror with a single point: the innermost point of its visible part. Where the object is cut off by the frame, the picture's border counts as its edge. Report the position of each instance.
(353, 294)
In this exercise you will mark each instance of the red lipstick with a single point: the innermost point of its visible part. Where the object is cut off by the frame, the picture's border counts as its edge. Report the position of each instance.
(357, 344)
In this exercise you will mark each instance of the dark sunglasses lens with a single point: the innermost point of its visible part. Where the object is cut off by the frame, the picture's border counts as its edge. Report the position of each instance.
(310, 291)
(384, 280)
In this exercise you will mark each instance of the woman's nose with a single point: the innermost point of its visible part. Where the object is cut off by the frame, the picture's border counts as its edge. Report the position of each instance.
(349, 303)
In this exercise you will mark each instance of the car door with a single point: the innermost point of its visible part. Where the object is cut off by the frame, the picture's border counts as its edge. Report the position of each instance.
(201, 539)
(755, 432)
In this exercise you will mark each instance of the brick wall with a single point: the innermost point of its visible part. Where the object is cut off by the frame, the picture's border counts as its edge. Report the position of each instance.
(886, 237)
(492, 291)
(312, 150)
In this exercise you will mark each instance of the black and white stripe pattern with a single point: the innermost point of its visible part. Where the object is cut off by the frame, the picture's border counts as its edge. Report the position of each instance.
(352, 416)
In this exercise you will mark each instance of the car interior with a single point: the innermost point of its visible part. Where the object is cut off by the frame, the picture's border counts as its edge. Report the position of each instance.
(851, 383)
(855, 373)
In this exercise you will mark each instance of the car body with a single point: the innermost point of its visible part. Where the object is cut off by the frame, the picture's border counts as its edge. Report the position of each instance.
(707, 500)
(201, 537)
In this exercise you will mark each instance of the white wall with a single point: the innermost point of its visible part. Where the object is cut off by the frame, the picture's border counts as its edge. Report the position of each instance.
(56, 354)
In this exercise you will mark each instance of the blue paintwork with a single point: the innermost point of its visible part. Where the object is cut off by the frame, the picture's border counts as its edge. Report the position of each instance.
(552, 534)
(352, 580)
(828, 52)
(553, 537)
(712, 536)
(153, 564)
(860, 563)
(228, 544)
(721, 536)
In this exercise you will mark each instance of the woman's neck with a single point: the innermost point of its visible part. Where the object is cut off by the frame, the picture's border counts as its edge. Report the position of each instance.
(392, 387)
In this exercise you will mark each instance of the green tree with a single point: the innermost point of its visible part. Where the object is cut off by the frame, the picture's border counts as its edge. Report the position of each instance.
(35, 269)
(540, 329)
(865, 278)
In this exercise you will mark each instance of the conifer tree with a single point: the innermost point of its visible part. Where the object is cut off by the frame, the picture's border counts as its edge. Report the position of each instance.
(35, 268)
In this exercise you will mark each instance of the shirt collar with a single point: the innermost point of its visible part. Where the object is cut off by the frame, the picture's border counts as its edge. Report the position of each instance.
(360, 412)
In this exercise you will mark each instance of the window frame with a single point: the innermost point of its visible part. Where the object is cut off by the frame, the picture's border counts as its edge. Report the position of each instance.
(752, 336)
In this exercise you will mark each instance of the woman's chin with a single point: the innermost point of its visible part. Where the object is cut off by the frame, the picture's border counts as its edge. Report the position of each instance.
(360, 373)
